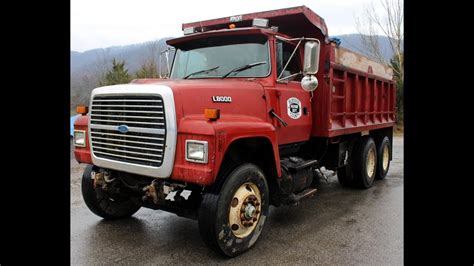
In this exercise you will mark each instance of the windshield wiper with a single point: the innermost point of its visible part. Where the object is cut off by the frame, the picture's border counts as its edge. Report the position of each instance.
(201, 71)
(242, 68)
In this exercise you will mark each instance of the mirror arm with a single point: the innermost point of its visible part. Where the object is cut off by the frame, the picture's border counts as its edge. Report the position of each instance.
(290, 76)
(289, 59)
(296, 39)
(300, 39)
(166, 52)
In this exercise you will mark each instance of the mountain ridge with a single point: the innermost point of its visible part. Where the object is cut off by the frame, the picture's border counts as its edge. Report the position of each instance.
(130, 53)
(87, 66)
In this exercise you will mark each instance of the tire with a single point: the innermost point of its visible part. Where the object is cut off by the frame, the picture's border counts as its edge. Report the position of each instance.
(101, 204)
(365, 163)
(383, 158)
(218, 211)
(345, 174)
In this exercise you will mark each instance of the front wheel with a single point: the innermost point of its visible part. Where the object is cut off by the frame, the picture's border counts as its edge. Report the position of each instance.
(104, 205)
(232, 221)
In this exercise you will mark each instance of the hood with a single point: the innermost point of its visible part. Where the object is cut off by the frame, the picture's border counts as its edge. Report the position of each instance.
(230, 96)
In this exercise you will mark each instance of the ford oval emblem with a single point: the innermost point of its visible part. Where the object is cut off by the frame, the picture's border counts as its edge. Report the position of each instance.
(122, 128)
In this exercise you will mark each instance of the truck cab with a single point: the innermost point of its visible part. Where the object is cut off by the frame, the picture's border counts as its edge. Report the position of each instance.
(247, 118)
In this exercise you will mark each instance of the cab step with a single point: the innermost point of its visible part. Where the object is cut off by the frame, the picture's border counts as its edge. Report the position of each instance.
(294, 199)
(307, 193)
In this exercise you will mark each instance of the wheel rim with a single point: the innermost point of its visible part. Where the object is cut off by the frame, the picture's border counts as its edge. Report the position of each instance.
(371, 163)
(385, 158)
(245, 210)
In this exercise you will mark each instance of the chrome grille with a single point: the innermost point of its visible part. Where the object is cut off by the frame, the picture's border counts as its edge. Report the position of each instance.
(144, 116)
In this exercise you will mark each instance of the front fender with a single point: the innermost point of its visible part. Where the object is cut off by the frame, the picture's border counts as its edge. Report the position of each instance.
(82, 154)
(220, 135)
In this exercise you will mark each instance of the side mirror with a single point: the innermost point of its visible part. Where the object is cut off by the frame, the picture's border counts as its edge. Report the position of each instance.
(310, 66)
(311, 58)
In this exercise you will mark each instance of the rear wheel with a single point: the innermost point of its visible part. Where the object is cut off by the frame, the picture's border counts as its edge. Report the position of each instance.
(232, 221)
(345, 175)
(365, 163)
(383, 164)
(101, 203)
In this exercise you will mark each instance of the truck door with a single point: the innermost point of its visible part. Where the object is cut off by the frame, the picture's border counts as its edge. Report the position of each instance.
(295, 106)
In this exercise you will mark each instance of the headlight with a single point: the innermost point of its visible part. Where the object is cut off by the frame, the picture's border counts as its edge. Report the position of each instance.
(79, 138)
(196, 151)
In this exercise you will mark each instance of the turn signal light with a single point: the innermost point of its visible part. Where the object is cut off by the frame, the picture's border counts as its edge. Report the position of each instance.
(82, 109)
(212, 114)
(232, 26)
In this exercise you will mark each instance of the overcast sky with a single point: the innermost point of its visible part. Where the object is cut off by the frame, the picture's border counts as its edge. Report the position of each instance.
(104, 23)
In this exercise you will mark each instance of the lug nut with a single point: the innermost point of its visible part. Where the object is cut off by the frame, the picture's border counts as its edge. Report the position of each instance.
(257, 211)
(254, 219)
(250, 223)
(257, 204)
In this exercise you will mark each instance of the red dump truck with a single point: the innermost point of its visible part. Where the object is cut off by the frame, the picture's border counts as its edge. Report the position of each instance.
(254, 107)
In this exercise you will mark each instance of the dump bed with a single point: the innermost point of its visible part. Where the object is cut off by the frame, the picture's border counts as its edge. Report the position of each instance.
(355, 93)
(351, 59)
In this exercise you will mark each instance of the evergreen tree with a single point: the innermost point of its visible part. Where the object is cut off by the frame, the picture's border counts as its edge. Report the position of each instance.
(117, 75)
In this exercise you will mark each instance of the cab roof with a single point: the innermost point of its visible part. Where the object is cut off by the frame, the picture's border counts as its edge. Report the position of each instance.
(297, 21)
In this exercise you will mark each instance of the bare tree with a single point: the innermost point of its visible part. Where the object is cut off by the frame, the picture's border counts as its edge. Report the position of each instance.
(101, 65)
(153, 49)
(388, 22)
(84, 82)
(149, 67)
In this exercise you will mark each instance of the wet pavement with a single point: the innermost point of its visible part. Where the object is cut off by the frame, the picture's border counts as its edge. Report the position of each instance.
(338, 226)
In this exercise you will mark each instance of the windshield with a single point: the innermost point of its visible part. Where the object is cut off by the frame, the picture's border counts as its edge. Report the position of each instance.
(215, 56)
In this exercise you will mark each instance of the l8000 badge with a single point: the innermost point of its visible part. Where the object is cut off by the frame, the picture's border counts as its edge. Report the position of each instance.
(221, 99)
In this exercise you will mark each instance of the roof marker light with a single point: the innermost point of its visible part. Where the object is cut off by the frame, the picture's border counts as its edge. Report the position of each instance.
(260, 22)
(189, 30)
